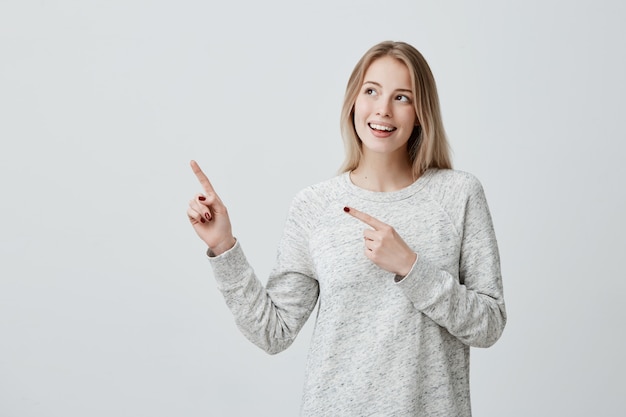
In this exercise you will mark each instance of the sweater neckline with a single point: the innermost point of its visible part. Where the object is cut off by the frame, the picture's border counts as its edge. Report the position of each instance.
(387, 196)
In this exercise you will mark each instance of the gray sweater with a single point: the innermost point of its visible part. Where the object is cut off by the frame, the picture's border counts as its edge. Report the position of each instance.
(379, 347)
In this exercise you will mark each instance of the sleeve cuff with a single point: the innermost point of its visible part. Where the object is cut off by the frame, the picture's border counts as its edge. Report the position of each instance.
(399, 278)
(229, 267)
(423, 284)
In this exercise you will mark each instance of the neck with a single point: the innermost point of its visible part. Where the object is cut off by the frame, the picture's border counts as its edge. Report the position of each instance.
(383, 174)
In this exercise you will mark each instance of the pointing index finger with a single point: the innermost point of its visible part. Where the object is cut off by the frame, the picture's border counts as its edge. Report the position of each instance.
(364, 217)
(204, 180)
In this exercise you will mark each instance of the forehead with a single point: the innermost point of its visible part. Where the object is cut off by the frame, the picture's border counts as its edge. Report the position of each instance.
(388, 71)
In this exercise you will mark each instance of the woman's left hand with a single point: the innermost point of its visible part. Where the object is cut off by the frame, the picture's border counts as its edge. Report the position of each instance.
(384, 246)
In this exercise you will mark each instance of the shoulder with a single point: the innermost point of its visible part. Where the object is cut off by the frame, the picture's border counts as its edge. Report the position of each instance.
(310, 203)
(453, 183)
(454, 191)
(453, 178)
(460, 195)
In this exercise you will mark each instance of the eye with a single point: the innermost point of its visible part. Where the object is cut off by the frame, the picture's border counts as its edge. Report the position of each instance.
(403, 98)
(370, 91)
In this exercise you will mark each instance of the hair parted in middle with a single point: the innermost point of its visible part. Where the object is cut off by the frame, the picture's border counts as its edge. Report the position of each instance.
(428, 145)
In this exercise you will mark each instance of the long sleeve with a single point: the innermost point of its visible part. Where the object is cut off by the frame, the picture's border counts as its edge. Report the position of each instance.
(271, 316)
(471, 305)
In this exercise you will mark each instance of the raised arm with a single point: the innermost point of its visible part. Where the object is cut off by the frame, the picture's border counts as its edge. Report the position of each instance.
(270, 316)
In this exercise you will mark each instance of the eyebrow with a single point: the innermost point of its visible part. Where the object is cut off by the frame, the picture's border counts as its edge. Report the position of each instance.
(404, 90)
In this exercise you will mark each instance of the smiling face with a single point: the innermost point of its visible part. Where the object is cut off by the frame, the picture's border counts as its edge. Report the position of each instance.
(384, 115)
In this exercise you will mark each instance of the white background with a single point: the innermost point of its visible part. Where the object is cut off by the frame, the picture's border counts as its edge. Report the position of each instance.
(107, 304)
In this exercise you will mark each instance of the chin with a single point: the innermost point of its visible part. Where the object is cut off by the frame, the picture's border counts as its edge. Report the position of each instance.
(378, 146)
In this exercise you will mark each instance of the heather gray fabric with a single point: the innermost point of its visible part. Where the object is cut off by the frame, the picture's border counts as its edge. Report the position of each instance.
(380, 347)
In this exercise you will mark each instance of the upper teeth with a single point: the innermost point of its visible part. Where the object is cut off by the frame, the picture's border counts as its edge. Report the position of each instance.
(380, 127)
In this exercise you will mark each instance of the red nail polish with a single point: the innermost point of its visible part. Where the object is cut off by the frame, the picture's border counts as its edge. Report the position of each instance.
(202, 198)
(346, 209)
(202, 219)
(208, 216)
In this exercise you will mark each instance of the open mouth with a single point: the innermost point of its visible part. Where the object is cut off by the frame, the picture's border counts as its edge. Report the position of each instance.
(381, 128)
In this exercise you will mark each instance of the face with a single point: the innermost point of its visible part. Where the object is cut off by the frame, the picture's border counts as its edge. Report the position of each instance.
(384, 116)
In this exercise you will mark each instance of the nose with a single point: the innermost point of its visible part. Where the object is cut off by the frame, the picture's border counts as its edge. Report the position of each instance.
(384, 108)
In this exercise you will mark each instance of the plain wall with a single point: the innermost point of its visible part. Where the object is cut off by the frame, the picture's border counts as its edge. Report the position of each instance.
(108, 306)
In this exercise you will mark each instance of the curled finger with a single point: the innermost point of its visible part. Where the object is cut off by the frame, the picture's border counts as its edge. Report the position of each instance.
(200, 205)
(369, 234)
(194, 216)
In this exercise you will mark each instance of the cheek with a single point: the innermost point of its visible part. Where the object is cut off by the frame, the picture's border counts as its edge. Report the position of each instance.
(410, 117)
(360, 109)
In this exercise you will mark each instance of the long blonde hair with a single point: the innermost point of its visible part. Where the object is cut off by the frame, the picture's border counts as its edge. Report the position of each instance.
(428, 146)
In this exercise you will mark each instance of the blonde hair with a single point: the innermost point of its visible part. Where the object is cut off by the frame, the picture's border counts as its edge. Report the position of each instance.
(428, 146)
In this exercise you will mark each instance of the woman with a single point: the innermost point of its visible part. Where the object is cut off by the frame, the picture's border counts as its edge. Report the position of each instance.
(399, 249)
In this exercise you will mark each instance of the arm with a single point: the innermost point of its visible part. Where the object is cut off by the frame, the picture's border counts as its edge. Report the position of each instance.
(471, 306)
(270, 316)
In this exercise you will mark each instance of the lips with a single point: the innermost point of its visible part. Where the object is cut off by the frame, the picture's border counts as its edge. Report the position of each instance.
(381, 131)
(381, 128)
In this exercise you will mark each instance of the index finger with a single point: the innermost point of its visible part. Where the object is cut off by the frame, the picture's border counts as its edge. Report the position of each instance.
(204, 180)
(365, 218)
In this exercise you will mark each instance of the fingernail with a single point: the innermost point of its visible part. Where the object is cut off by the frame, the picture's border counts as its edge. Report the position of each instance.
(202, 198)
(202, 219)
(207, 215)
(346, 209)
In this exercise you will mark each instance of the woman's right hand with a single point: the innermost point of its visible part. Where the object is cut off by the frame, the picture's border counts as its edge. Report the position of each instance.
(209, 217)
